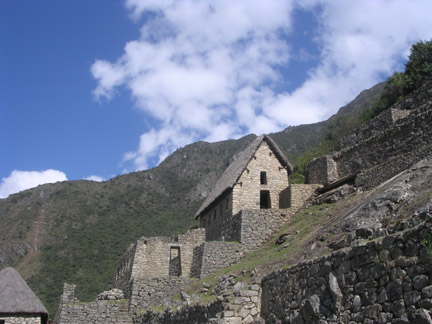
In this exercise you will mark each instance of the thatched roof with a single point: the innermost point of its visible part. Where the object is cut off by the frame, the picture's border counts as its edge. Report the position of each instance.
(16, 297)
(236, 168)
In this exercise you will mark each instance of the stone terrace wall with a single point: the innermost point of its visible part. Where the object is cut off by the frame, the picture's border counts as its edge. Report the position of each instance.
(406, 136)
(198, 314)
(146, 292)
(378, 282)
(401, 133)
(399, 110)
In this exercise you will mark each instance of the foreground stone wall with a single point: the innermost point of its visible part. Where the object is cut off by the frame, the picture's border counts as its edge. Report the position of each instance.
(378, 282)
(21, 319)
(197, 314)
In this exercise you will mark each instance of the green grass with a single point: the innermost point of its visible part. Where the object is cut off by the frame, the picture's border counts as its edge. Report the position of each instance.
(270, 256)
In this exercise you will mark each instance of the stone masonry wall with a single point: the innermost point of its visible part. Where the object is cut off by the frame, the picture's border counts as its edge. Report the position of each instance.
(406, 136)
(399, 110)
(216, 218)
(72, 311)
(188, 243)
(197, 314)
(147, 292)
(322, 170)
(385, 146)
(255, 227)
(124, 269)
(246, 193)
(217, 255)
(384, 281)
(21, 319)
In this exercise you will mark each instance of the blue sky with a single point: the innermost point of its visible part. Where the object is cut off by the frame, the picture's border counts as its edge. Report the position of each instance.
(94, 89)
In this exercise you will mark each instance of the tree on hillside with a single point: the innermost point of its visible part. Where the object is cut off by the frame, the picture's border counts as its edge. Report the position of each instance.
(418, 69)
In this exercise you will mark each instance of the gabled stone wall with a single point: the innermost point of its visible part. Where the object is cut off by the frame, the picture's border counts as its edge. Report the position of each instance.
(246, 193)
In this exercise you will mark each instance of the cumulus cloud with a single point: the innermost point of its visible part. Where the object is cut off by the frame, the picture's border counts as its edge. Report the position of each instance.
(94, 178)
(212, 69)
(22, 180)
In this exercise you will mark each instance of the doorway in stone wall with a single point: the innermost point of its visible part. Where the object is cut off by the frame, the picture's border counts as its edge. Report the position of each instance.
(265, 199)
(175, 262)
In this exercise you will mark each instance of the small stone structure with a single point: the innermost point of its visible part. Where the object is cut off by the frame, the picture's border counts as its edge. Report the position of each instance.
(18, 303)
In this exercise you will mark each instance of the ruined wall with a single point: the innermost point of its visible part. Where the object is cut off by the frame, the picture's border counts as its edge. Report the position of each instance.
(376, 282)
(188, 243)
(246, 194)
(72, 311)
(147, 292)
(21, 319)
(322, 170)
(159, 257)
(124, 269)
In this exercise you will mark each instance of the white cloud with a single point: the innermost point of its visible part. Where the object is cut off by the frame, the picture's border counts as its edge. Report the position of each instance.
(211, 69)
(22, 180)
(94, 178)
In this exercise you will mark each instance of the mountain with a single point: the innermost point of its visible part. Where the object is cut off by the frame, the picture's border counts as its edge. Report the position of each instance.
(75, 231)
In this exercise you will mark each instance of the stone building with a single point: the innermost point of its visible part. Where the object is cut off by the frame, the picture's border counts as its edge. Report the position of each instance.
(257, 179)
(18, 303)
(250, 203)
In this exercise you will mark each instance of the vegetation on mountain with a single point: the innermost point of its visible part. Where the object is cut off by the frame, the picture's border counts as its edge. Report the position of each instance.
(418, 71)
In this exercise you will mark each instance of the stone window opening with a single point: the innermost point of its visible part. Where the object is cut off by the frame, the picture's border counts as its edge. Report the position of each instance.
(214, 214)
(265, 202)
(263, 177)
(175, 262)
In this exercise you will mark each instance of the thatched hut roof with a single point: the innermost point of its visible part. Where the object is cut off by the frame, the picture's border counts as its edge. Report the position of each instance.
(16, 297)
(236, 168)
